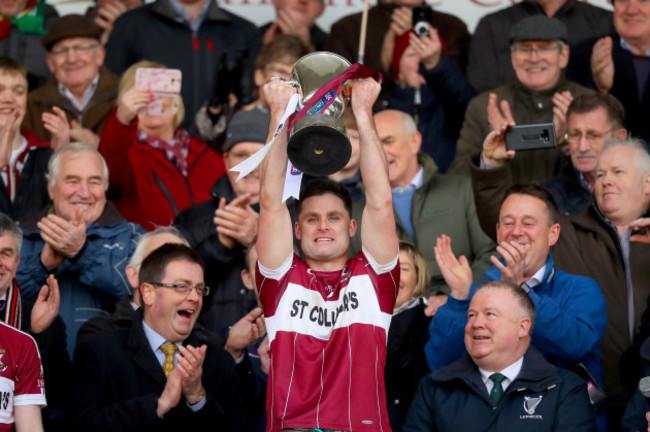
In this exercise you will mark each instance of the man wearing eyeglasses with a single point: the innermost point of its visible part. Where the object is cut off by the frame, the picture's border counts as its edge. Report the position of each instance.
(76, 102)
(164, 373)
(488, 62)
(592, 119)
(540, 94)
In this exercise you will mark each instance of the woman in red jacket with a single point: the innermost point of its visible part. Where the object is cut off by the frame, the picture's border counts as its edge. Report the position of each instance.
(156, 168)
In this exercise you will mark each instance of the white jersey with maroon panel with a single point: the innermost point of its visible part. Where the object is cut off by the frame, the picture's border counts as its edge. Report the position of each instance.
(327, 332)
(21, 374)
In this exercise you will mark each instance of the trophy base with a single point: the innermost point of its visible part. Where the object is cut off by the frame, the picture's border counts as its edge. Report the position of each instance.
(319, 150)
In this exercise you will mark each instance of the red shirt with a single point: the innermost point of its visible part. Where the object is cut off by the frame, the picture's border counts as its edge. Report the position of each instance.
(21, 374)
(327, 332)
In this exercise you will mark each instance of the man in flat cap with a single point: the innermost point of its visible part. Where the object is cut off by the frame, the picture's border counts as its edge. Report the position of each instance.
(488, 62)
(539, 94)
(76, 102)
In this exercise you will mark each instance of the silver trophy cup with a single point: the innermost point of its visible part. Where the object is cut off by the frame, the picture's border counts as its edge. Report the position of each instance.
(319, 143)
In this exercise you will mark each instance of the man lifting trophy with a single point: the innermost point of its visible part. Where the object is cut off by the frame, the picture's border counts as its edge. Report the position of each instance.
(327, 317)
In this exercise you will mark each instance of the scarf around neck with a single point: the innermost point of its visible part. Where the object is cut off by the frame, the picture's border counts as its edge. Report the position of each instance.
(176, 149)
(29, 21)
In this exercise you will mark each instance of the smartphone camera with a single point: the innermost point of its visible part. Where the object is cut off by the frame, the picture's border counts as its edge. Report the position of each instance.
(422, 18)
(421, 29)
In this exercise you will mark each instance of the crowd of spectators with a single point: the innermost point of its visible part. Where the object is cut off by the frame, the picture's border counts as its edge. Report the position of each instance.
(130, 298)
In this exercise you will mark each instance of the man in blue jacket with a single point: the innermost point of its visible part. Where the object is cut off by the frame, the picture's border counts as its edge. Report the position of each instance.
(503, 384)
(571, 313)
(81, 239)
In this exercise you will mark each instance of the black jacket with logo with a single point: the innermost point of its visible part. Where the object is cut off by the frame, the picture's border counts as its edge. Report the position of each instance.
(541, 398)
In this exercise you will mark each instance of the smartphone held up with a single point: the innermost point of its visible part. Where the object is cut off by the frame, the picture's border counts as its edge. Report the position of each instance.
(422, 19)
(530, 137)
(165, 87)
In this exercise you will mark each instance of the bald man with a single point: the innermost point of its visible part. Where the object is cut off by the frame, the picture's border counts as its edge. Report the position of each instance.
(427, 203)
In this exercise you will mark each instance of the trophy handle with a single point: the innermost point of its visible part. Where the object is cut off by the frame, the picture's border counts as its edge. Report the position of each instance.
(346, 90)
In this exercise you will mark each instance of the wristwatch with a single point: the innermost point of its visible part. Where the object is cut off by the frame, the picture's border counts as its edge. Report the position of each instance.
(524, 286)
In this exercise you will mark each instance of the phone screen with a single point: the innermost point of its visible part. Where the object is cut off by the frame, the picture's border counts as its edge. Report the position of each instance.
(165, 86)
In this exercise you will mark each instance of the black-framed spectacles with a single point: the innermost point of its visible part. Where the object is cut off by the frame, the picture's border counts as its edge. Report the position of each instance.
(185, 289)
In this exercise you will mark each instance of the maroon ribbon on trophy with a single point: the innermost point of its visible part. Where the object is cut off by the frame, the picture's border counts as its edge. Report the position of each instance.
(315, 105)
(327, 93)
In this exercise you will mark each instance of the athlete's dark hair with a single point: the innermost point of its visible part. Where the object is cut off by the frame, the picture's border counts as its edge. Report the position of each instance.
(323, 186)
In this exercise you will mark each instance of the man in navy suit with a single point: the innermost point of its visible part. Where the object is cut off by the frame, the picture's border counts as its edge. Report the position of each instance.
(164, 372)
